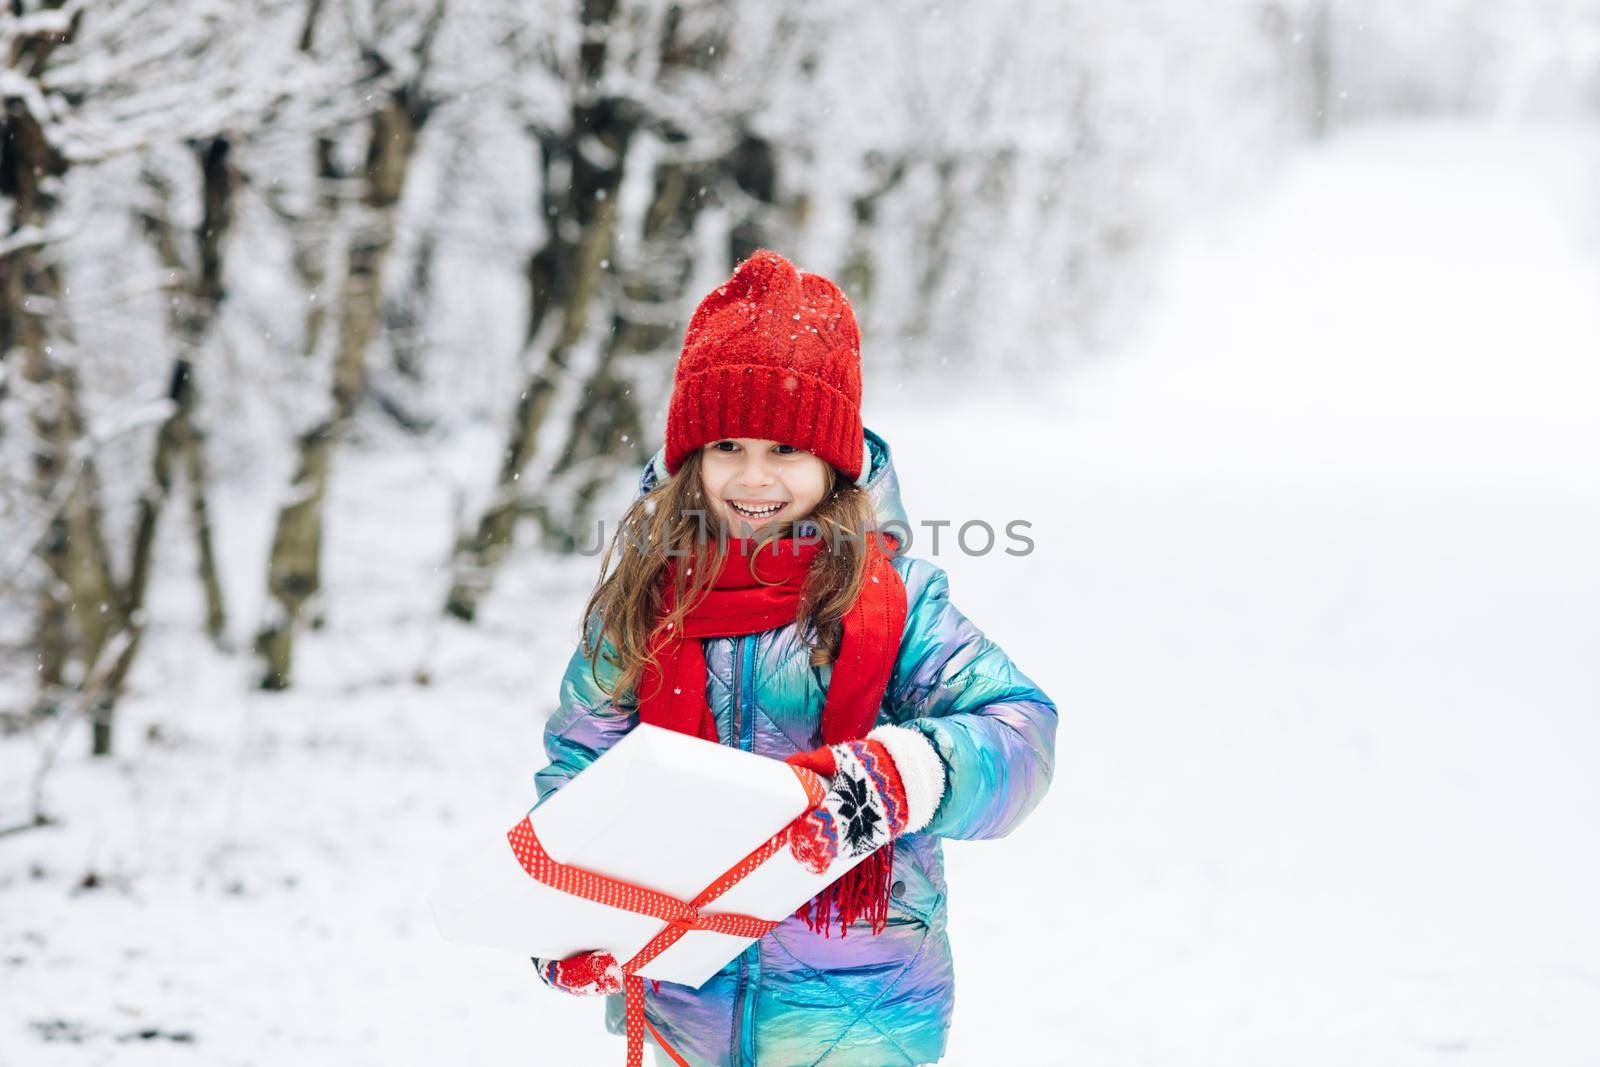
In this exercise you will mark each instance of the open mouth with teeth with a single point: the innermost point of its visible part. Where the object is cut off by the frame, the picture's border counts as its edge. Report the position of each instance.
(755, 513)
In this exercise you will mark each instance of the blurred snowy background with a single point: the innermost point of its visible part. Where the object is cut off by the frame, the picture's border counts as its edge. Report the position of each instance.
(329, 328)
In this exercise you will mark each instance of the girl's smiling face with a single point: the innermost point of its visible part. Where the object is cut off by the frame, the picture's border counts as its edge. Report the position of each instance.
(753, 482)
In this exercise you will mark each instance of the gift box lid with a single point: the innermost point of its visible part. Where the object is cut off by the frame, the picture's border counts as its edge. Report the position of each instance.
(661, 810)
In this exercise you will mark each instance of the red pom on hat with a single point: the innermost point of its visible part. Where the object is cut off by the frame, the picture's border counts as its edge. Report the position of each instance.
(775, 354)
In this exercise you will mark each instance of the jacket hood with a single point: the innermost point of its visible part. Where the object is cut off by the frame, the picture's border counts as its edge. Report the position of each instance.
(878, 478)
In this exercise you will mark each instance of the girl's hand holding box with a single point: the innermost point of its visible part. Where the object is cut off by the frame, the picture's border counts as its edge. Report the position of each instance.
(587, 974)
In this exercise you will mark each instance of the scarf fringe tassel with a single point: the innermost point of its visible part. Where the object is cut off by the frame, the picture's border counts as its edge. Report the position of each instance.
(862, 894)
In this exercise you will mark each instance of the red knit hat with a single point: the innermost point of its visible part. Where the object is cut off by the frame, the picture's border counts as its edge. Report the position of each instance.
(775, 354)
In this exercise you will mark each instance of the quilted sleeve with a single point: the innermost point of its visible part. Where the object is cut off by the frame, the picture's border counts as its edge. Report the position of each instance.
(586, 722)
(992, 726)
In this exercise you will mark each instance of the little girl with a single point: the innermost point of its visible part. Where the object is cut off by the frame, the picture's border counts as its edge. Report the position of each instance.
(761, 599)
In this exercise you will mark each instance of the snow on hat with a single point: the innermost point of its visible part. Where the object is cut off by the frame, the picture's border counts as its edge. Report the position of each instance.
(775, 354)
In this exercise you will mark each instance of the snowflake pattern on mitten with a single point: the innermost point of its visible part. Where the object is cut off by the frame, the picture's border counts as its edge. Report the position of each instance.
(864, 808)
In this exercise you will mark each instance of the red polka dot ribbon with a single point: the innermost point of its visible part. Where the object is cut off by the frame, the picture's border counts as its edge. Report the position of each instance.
(681, 916)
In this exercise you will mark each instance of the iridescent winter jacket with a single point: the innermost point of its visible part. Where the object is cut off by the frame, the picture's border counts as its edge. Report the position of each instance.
(796, 997)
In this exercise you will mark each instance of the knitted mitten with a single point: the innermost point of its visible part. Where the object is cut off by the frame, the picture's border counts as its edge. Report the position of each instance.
(886, 785)
(586, 974)
(864, 808)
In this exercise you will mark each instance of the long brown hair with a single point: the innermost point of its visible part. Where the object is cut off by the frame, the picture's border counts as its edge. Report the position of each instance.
(673, 520)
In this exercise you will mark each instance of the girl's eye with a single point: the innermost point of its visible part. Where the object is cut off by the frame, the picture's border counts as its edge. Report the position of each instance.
(733, 446)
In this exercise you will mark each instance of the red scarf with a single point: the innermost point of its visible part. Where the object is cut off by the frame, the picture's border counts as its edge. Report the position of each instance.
(673, 694)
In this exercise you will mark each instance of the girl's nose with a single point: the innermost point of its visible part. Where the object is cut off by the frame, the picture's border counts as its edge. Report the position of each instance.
(755, 473)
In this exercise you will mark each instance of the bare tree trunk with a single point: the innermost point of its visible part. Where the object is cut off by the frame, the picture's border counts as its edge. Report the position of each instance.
(27, 162)
(294, 568)
(78, 604)
(564, 277)
(752, 168)
(292, 575)
(477, 557)
(856, 278)
(313, 238)
(75, 551)
(193, 310)
(606, 434)
(934, 249)
(607, 428)
(406, 315)
(605, 431)
(200, 523)
(316, 241)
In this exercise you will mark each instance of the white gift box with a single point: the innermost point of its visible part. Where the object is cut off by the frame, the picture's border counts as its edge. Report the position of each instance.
(661, 810)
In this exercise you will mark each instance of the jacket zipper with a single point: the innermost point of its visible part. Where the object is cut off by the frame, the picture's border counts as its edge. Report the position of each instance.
(738, 690)
(742, 1050)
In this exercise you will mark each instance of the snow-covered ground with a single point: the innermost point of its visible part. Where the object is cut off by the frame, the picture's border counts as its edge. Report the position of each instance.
(1315, 586)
